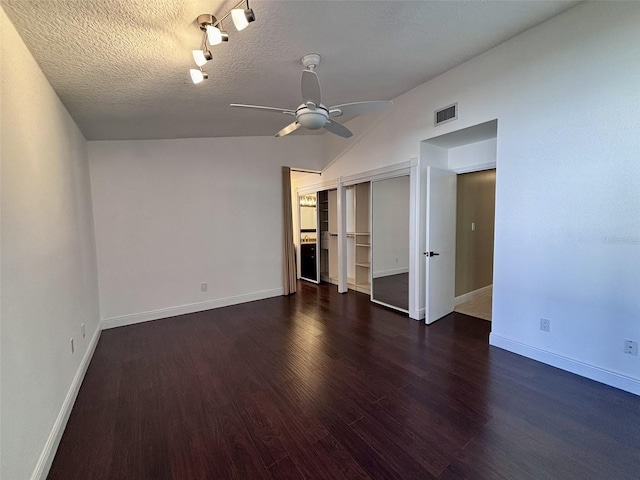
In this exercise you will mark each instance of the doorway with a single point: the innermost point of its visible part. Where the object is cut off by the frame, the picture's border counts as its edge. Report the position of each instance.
(475, 223)
(457, 270)
(308, 237)
(306, 226)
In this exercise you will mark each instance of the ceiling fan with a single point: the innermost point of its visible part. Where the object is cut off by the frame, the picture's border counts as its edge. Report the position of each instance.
(312, 114)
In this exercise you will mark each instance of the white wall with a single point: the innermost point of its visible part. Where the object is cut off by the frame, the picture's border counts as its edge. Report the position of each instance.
(172, 214)
(48, 265)
(567, 243)
(478, 153)
(390, 226)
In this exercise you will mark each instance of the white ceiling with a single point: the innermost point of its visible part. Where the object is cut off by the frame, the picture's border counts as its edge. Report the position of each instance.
(121, 67)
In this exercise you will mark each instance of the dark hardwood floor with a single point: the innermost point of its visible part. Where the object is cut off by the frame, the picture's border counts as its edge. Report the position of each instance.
(320, 385)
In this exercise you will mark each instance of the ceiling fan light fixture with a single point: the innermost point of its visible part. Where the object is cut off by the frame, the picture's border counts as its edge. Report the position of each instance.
(312, 119)
(201, 57)
(197, 76)
(242, 18)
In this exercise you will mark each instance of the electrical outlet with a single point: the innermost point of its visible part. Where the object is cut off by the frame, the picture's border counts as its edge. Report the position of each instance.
(72, 349)
(82, 330)
(631, 347)
(545, 324)
(203, 287)
(473, 226)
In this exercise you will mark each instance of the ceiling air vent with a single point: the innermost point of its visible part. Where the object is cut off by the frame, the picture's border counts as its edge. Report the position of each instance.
(445, 114)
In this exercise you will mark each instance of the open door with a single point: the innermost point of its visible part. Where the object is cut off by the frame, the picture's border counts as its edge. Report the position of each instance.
(441, 243)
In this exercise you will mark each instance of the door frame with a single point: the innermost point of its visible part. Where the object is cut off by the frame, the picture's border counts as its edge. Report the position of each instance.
(471, 169)
(458, 171)
(301, 191)
(432, 153)
(299, 256)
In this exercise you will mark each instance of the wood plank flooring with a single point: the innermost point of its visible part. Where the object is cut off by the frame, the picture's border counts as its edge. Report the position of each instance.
(320, 385)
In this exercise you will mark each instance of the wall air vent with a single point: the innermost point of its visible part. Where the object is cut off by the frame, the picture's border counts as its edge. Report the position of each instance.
(446, 114)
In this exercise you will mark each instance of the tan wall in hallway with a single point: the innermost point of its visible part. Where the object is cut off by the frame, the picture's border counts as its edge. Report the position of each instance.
(474, 249)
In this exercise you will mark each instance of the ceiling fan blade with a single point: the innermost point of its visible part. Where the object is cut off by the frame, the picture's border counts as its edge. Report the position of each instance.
(286, 111)
(338, 129)
(292, 127)
(311, 87)
(359, 108)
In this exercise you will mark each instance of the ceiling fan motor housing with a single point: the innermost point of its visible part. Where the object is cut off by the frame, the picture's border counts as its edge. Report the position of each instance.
(312, 119)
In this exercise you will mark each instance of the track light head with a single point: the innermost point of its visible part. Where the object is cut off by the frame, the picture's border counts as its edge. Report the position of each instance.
(214, 35)
(201, 57)
(242, 18)
(206, 23)
(198, 76)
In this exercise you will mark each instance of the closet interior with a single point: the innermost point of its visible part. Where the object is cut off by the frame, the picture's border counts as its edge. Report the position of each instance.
(358, 203)
(328, 220)
(358, 233)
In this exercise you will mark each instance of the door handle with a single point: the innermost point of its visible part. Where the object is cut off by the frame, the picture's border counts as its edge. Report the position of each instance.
(431, 254)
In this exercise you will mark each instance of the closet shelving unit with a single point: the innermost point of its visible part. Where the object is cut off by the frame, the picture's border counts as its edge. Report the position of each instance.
(323, 234)
(328, 203)
(359, 237)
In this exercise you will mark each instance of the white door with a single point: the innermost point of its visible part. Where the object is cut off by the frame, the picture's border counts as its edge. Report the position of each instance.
(441, 243)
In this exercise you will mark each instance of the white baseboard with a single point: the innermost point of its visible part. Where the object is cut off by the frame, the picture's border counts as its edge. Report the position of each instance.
(388, 273)
(418, 315)
(593, 372)
(49, 452)
(470, 295)
(134, 318)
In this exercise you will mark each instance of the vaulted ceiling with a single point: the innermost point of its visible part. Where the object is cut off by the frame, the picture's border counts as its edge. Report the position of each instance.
(121, 67)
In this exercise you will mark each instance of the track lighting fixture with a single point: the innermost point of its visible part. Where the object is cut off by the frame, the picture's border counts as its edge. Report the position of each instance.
(213, 34)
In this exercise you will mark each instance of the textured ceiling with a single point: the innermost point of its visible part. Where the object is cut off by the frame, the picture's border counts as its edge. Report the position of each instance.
(121, 67)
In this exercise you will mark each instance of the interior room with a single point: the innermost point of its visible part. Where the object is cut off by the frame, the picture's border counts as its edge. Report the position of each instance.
(475, 223)
(175, 303)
